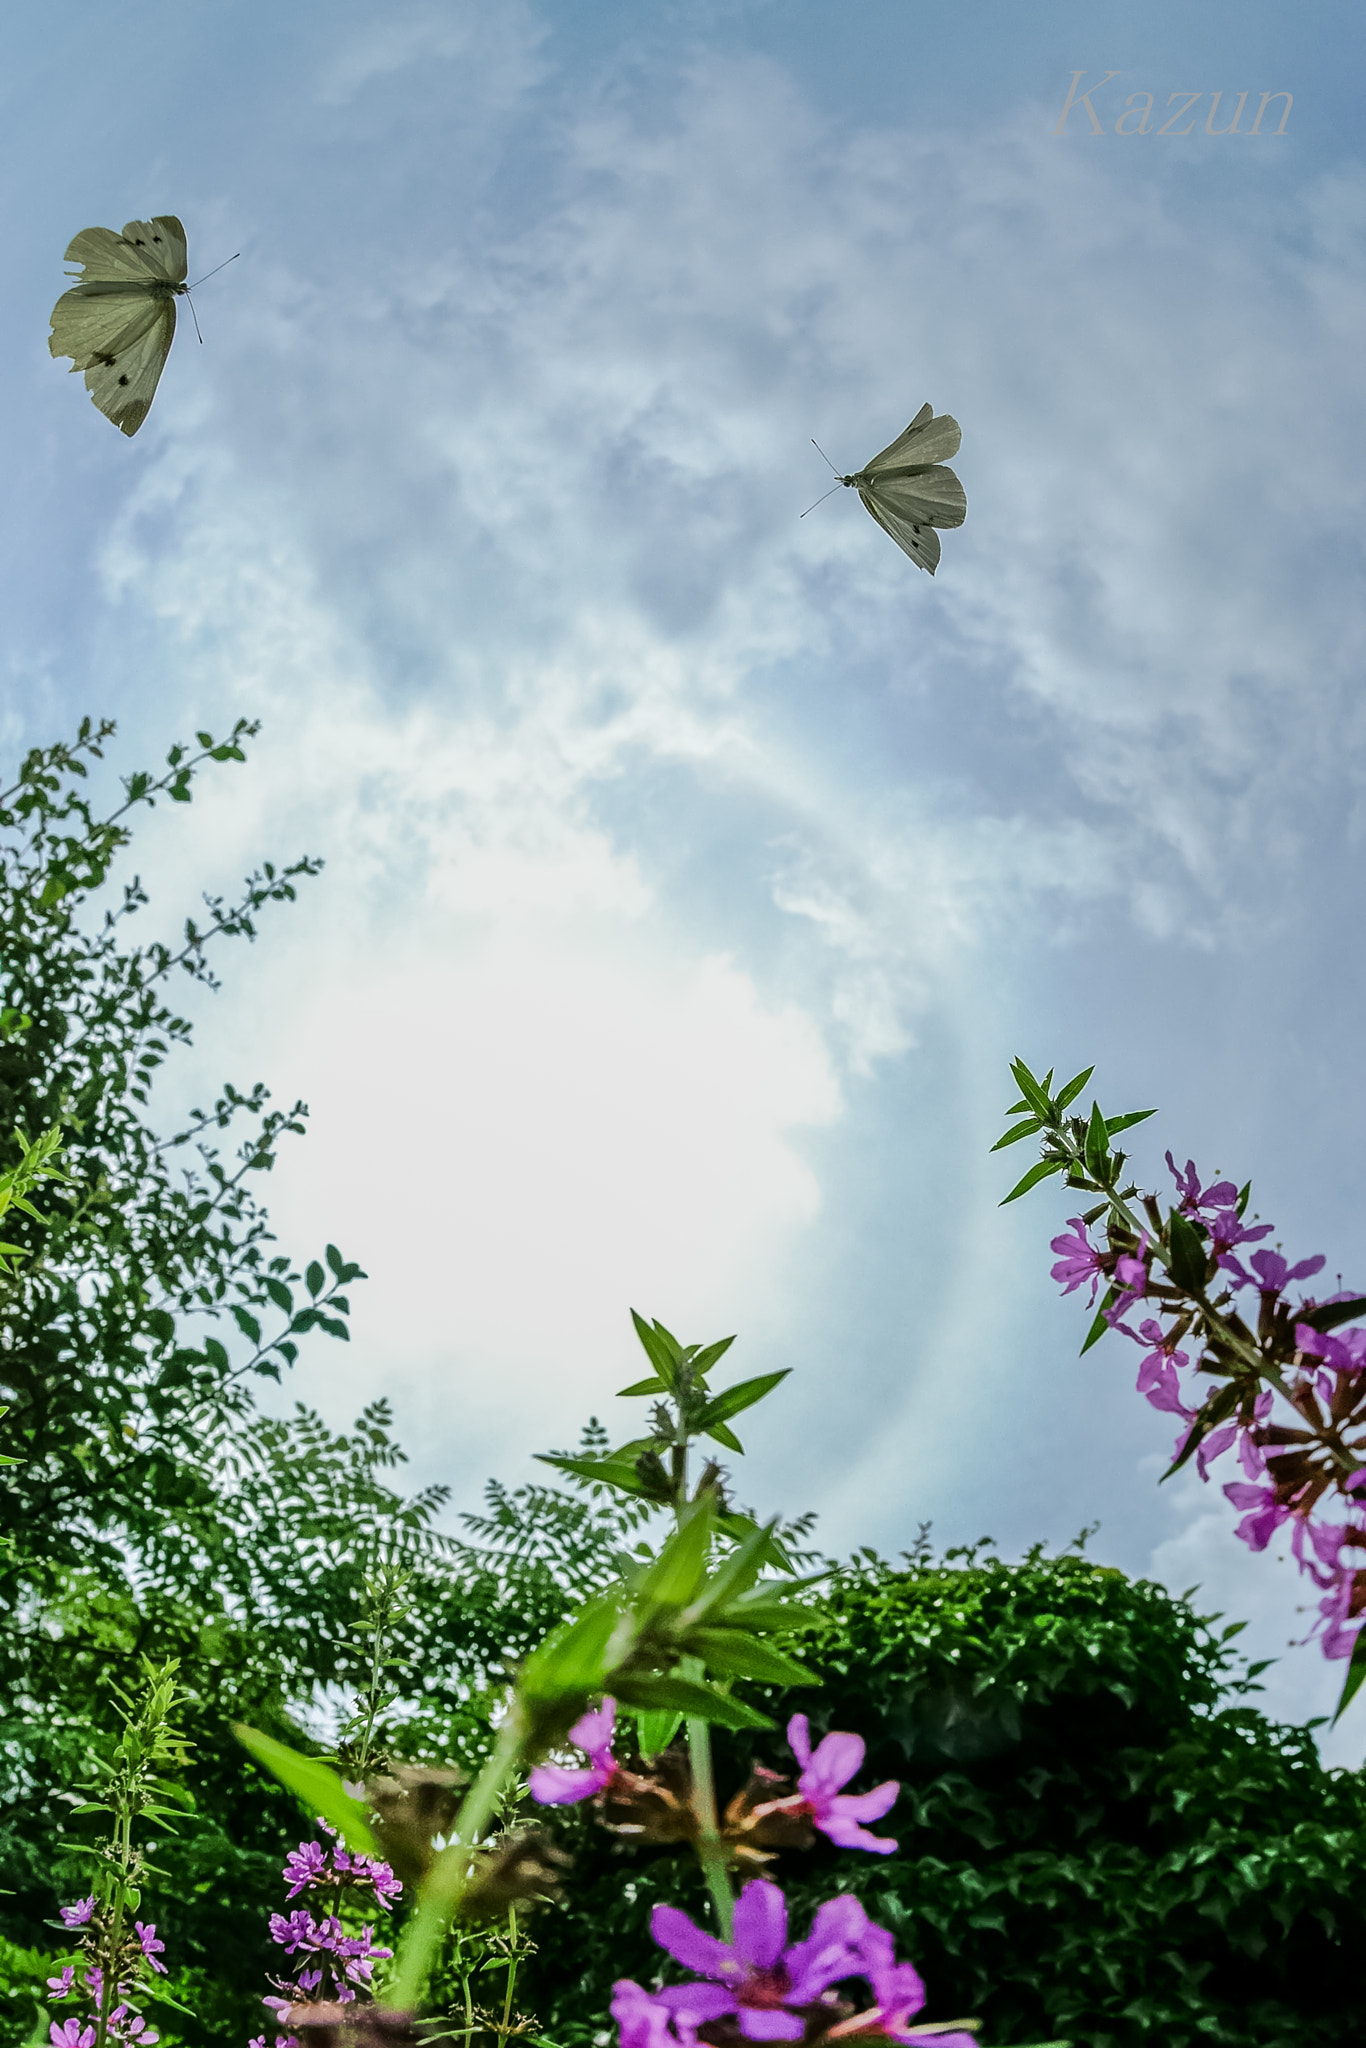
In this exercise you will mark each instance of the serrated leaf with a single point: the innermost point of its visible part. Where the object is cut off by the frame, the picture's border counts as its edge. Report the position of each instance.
(736, 1654)
(246, 1323)
(1035, 1174)
(1189, 1259)
(315, 1785)
(1016, 1132)
(1074, 1087)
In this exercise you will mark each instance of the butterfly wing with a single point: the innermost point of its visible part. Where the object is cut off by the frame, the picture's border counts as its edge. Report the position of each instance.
(118, 323)
(928, 497)
(919, 540)
(927, 439)
(121, 340)
(161, 245)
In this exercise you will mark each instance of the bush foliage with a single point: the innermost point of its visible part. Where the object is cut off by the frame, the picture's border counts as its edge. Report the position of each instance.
(1100, 1837)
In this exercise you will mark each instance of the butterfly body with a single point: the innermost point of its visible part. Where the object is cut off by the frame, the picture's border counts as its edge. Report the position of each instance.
(909, 490)
(117, 324)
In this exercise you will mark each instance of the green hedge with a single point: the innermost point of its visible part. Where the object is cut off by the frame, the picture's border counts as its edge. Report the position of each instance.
(1099, 1836)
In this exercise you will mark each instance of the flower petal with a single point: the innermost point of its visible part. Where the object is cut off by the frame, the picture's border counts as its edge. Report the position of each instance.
(769, 2023)
(689, 1945)
(799, 1739)
(760, 1924)
(837, 1760)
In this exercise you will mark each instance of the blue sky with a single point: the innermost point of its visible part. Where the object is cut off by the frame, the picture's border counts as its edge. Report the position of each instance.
(693, 869)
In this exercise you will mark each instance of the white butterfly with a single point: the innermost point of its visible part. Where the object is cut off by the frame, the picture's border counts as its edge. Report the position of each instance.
(118, 323)
(909, 492)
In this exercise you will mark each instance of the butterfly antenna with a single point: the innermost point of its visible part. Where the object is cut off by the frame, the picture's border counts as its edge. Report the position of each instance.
(212, 273)
(824, 458)
(193, 315)
(820, 501)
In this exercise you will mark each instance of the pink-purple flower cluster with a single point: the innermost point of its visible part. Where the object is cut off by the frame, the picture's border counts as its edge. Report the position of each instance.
(819, 1797)
(758, 1987)
(1280, 1484)
(333, 1965)
(138, 1950)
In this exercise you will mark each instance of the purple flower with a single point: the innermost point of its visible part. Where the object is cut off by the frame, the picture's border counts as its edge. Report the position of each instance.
(1222, 1195)
(150, 1946)
(60, 1987)
(304, 1866)
(1157, 1380)
(71, 2034)
(312, 1866)
(766, 1989)
(1270, 1273)
(554, 1785)
(77, 1915)
(1264, 1513)
(1131, 1281)
(834, 1763)
(1079, 1260)
(1226, 1228)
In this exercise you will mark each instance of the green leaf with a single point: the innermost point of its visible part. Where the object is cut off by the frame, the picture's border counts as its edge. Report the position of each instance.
(739, 1397)
(280, 1295)
(313, 1279)
(654, 1385)
(1216, 1410)
(1031, 1180)
(687, 1696)
(1097, 1143)
(1189, 1262)
(724, 1434)
(1099, 1326)
(1125, 1123)
(735, 1654)
(677, 1574)
(660, 1348)
(1016, 1132)
(708, 1356)
(741, 1527)
(574, 1657)
(315, 1785)
(1033, 1094)
(1074, 1087)
(1355, 1676)
(1332, 1313)
(617, 1468)
(657, 1731)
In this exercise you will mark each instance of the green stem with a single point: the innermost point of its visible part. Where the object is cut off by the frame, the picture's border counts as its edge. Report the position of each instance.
(710, 1849)
(512, 1972)
(445, 1882)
